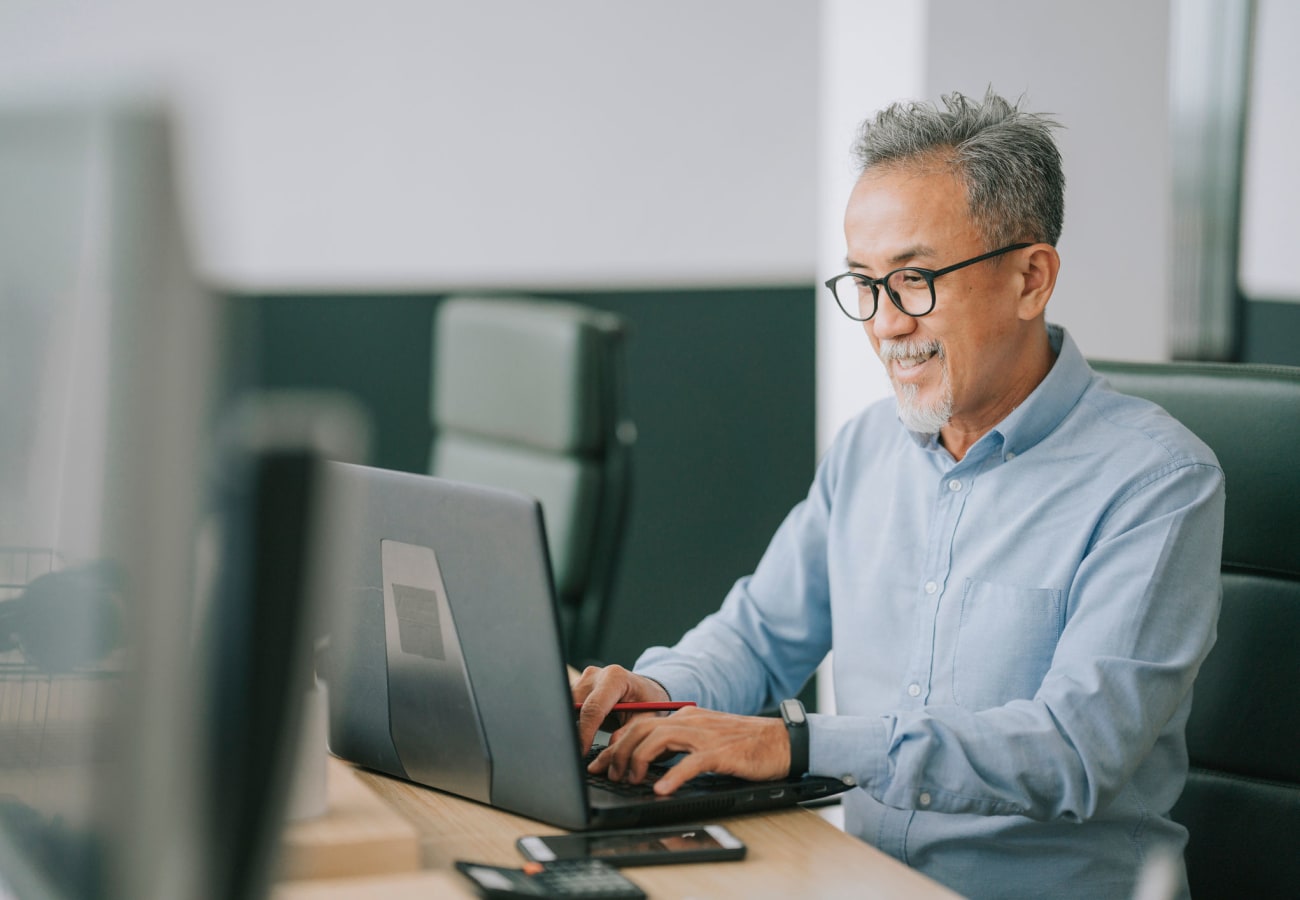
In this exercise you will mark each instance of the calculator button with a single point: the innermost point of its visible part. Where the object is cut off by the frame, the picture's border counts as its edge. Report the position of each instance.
(586, 878)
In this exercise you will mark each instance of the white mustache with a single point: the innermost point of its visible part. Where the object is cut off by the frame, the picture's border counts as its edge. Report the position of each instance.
(894, 350)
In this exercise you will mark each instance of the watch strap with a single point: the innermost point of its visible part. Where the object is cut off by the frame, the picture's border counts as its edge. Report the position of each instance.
(796, 726)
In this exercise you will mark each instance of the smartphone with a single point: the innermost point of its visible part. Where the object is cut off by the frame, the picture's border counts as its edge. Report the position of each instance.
(637, 846)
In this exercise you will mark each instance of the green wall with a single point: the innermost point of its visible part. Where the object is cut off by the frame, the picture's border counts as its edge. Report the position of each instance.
(1271, 332)
(721, 386)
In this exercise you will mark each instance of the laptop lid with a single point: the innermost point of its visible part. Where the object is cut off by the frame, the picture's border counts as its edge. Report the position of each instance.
(445, 664)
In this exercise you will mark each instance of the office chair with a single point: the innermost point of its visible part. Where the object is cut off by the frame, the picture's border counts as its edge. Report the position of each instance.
(530, 395)
(1242, 800)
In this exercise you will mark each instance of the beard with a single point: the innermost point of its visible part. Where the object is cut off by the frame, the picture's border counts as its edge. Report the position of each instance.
(923, 418)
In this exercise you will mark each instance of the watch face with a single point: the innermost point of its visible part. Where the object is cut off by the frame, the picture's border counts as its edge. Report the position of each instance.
(793, 712)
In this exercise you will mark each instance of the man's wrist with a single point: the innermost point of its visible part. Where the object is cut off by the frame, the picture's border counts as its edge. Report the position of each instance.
(796, 728)
(656, 681)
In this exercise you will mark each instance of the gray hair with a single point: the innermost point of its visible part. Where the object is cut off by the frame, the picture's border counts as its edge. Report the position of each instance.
(1006, 158)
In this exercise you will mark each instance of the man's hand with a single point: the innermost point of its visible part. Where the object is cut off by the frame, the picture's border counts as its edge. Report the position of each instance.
(599, 689)
(751, 747)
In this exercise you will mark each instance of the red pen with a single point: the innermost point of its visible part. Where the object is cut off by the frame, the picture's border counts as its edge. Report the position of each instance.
(647, 705)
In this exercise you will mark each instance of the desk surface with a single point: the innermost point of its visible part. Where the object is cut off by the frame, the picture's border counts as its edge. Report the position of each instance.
(792, 853)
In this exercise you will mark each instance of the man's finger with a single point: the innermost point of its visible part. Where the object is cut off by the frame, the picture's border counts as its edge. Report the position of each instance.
(663, 739)
(618, 757)
(691, 764)
(592, 715)
(582, 685)
(599, 690)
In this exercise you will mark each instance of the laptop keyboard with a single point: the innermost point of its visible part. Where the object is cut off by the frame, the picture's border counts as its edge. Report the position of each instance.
(622, 788)
(646, 788)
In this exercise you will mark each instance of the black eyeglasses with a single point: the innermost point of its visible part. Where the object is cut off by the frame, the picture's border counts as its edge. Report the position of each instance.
(911, 289)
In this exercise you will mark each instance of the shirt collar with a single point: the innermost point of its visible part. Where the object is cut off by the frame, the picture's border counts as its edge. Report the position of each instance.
(1049, 403)
(1043, 409)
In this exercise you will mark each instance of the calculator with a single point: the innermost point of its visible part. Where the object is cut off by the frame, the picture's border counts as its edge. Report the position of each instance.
(564, 879)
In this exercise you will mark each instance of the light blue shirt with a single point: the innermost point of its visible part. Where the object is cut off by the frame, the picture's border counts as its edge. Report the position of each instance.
(1015, 635)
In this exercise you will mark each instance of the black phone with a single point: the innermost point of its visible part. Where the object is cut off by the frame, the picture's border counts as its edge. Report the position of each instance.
(637, 846)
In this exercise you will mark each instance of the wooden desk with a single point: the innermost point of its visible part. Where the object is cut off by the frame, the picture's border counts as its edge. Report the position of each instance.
(792, 853)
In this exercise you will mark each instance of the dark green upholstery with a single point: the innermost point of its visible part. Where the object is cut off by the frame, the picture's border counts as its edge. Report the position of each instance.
(1242, 801)
(528, 395)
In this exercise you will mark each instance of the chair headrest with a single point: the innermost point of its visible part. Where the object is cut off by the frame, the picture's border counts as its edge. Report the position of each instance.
(524, 370)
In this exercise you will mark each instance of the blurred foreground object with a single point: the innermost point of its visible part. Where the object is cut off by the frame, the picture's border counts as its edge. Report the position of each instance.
(115, 781)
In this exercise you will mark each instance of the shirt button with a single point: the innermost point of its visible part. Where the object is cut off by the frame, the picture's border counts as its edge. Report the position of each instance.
(1011, 454)
(931, 587)
(954, 485)
(913, 690)
(924, 798)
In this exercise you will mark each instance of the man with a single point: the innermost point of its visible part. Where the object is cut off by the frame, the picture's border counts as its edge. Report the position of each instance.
(1016, 566)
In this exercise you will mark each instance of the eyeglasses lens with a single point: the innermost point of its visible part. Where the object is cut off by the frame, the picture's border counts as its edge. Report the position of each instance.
(909, 289)
(912, 291)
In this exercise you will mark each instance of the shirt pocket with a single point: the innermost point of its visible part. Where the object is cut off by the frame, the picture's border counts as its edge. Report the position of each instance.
(1006, 637)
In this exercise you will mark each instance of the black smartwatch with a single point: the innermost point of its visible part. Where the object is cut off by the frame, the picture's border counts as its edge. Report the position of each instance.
(796, 725)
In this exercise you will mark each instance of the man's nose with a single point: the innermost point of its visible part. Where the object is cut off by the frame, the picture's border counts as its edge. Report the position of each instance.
(890, 322)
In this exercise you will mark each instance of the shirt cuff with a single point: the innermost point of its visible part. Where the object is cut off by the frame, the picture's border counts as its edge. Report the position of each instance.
(849, 747)
(679, 685)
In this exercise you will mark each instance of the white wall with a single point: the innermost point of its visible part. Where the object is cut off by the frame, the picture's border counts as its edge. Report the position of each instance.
(1270, 227)
(433, 145)
(1102, 68)
(577, 143)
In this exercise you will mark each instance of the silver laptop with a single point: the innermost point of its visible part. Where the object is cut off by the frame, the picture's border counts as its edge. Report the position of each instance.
(445, 665)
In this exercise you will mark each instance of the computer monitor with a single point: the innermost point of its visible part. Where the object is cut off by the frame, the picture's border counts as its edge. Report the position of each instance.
(146, 712)
(108, 351)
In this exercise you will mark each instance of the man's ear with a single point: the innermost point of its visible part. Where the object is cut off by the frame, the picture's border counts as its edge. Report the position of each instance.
(1039, 272)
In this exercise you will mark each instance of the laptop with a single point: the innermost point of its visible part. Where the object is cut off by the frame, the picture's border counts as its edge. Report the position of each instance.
(444, 664)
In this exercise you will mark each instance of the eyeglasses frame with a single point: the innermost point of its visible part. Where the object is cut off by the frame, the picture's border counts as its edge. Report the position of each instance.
(928, 274)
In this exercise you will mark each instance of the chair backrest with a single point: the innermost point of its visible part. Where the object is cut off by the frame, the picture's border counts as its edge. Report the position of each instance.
(1242, 800)
(529, 395)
